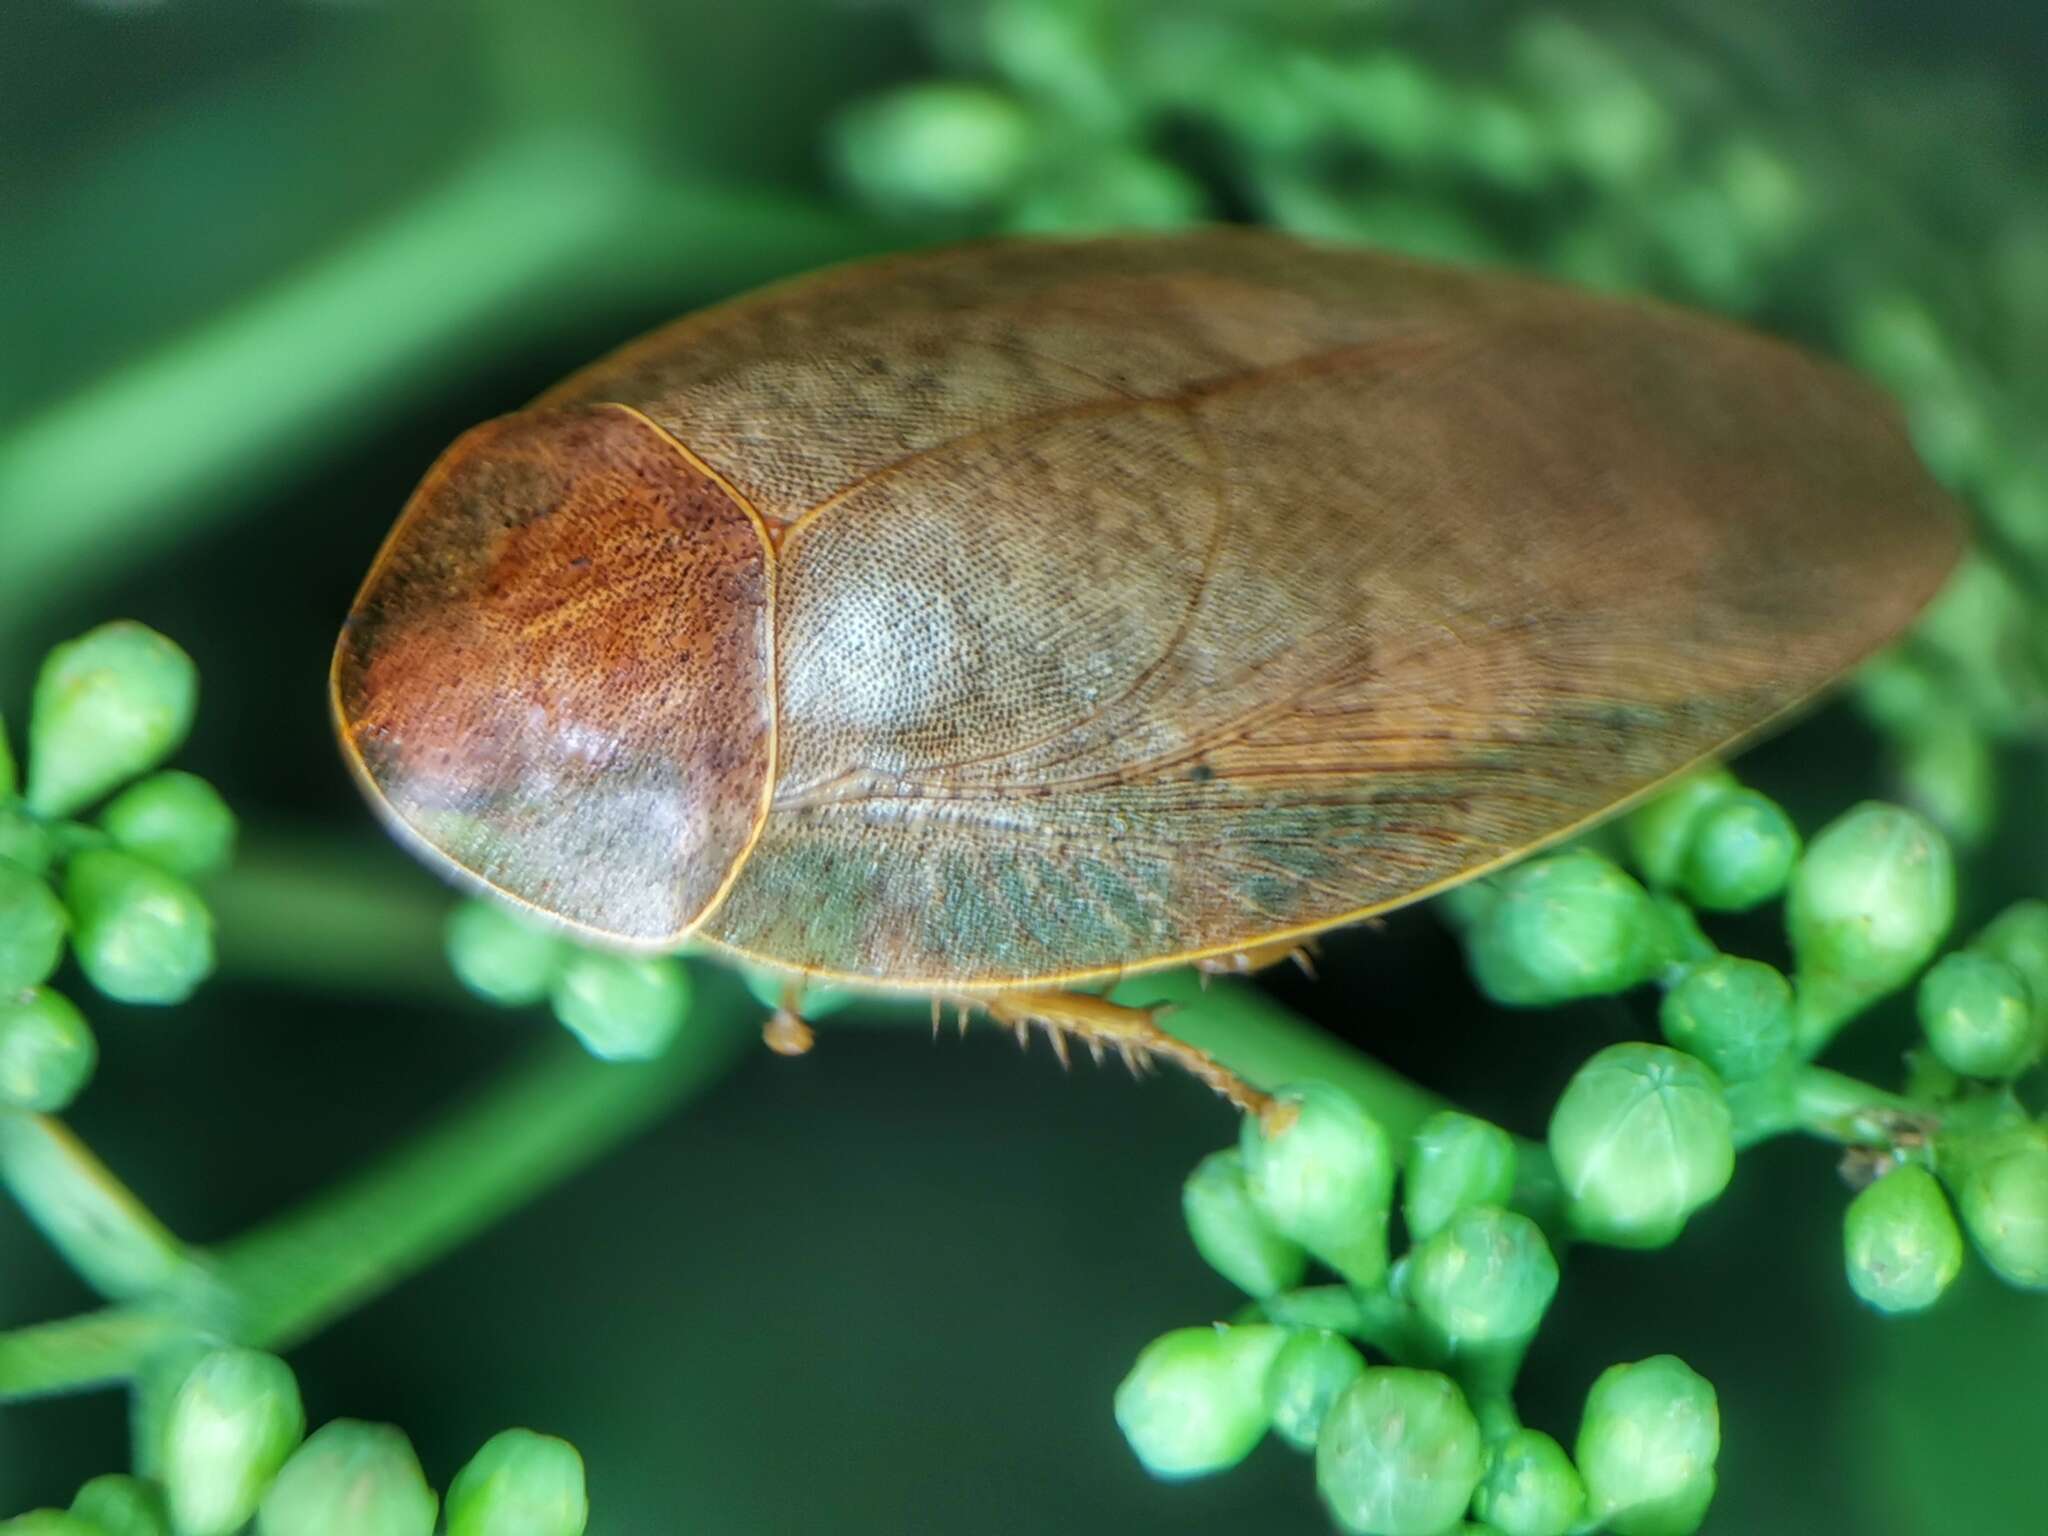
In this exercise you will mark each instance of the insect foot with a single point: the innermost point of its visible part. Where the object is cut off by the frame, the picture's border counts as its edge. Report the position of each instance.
(1133, 1033)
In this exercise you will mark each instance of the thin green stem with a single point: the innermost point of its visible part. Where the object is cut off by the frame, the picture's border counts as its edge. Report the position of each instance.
(1824, 1103)
(98, 1349)
(108, 1235)
(533, 1128)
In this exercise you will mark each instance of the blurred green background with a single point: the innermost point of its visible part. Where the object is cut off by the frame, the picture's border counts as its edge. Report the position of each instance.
(261, 259)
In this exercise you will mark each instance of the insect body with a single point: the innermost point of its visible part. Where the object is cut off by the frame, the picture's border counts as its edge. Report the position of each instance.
(1029, 612)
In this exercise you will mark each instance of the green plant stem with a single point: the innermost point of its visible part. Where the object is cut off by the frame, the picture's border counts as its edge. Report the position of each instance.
(533, 1128)
(91, 1217)
(1820, 1102)
(98, 1349)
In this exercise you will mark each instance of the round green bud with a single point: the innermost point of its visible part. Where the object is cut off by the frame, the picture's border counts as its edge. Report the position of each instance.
(1734, 1014)
(1647, 1446)
(142, 935)
(1399, 1454)
(520, 1484)
(1642, 1138)
(25, 842)
(350, 1479)
(1868, 905)
(1948, 768)
(939, 147)
(1900, 1241)
(499, 956)
(1978, 1016)
(1309, 1374)
(1742, 851)
(1659, 832)
(2019, 937)
(174, 819)
(1530, 1487)
(32, 924)
(109, 705)
(234, 1421)
(119, 1505)
(622, 1008)
(1112, 189)
(1455, 1161)
(1195, 1401)
(1233, 1234)
(1566, 926)
(1322, 1171)
(47, 1052)
(1486, 1278)
(2002, 1193)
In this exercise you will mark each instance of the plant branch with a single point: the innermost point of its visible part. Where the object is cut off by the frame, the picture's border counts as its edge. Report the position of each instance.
(106, 1234)
(533, 1128)
(1820, 1102)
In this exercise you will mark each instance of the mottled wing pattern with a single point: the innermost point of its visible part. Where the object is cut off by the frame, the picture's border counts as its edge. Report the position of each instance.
(1228, 589)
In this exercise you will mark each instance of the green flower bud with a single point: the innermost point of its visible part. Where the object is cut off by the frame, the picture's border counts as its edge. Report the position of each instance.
(1110, 190)
(937, 147)
(1742, 851)
(1647, 1446)
(2019, 937)
(1309, 1374)
(109, 705)
(1642, 1139)
(1566, 926)
(1868, 905)
(120, 1505)
(233, 1422)
(1948, 768)
(2002, 1192)
(1399, 1454)
(32, 924)
(174, 819)
(25, 842)
(1978, 1016)
(1195, 1402)
(1530, 1487)
(1900, 1241)
(46, 1051)
(1486, 1278)
(1659, 832)
(350, 1479)
(621, 1007)
(520, 1484)
(1734, 1014)
(1321, 1170)
(143, 935)
(1455, 1162)
(1233, 1234)
(500, 957)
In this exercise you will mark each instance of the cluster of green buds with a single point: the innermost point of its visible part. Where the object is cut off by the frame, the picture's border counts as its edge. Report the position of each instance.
(1396, 1374)
(1646, 1134)
(232, 1455)
(621, 1007)
(117, 890)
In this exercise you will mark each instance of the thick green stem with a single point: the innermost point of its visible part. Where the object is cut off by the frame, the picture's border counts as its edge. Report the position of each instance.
(89, 1215)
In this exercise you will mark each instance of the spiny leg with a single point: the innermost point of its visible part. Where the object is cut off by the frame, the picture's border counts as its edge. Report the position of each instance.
(1132, 1033)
